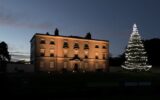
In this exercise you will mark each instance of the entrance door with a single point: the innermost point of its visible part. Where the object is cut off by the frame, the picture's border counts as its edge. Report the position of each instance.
(76, 67)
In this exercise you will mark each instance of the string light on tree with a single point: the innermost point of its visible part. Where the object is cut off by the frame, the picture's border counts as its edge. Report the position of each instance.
(135, 54)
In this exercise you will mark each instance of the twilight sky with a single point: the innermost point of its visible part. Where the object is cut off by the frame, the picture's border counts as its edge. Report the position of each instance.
(106, 19)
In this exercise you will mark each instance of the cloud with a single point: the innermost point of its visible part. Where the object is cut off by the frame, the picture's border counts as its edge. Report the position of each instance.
(10, 18)
(19, 56)
(17, 53)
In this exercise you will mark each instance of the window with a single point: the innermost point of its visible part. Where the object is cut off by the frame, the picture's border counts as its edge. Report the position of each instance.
(51, 64)
(104, 65)
(104, 56)
(65, 55)
(51, 53)
(52, 42)
(76, 56)
(42, 41)
(76, 46)
(96, 65)
(86, 57)
(65, 45)
(41, 64)
(104, 47)
(76, 51)
(86, 46)
(96, 46)
(65, 64)
(96, 57)
(65, 52)
(86, 52)
(42, 52)
(86, 65)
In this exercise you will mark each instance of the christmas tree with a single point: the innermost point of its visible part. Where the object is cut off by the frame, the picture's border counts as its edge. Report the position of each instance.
(135, 54)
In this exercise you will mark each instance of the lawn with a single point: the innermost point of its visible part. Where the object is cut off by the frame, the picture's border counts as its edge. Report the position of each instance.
(81, 84)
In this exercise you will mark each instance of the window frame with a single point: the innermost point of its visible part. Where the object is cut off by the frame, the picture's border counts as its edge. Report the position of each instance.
(51, 65)
(52, 42)
(96, 46)
(42, 41)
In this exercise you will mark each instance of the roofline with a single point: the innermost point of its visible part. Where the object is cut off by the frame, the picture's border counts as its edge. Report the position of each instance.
(66, 37)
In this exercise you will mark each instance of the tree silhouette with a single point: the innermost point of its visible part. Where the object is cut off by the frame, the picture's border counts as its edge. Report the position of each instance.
(56, 32)
(117, 61)
(152, 47)
(47, 33)
(4, 56)
(88, 36)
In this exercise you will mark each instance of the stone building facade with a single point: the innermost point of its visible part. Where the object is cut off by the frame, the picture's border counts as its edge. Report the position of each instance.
(71, 53)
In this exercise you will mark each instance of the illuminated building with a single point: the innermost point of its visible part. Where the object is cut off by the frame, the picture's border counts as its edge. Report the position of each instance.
(68, 53)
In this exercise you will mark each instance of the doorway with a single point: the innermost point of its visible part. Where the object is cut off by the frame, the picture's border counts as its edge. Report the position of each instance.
(76, 67)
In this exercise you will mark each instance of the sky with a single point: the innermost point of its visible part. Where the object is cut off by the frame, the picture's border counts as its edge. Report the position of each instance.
(106, 19)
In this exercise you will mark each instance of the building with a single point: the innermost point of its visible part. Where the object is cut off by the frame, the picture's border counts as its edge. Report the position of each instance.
(68, 53)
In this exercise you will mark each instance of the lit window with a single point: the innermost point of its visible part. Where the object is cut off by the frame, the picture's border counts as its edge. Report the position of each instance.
(65, 45)
(86, 65)
(96, 57)
(65, 64)
(86, 52)
(96, 65)
(52, 53)
(65, 52)
(104, 65)
(76, 51)
(52, 42)
(96, 46)
(41, 64)
(42, 41)
(42, 52)
(51, 64)
(96, 53)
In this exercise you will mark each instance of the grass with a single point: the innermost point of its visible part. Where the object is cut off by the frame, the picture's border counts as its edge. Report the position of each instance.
(74, 84)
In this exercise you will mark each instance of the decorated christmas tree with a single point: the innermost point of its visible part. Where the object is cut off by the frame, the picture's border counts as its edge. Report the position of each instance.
(136, 58)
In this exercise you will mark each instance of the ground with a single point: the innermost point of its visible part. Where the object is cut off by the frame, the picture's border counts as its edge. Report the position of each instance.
(81, 85)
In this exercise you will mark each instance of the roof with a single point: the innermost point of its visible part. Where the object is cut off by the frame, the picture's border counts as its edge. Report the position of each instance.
(77, 37)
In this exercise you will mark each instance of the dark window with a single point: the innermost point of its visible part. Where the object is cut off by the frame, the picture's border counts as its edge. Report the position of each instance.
(104, 47)
(86, 57)
(86, 46)
(42, 41)
(76, 56)
(65, 45)
(96, 57)
(76, 45)
(51, 55)
(42, 54)
(104, 57)
(96, 46)
(76, 67)
(65, 55)
(52, 42)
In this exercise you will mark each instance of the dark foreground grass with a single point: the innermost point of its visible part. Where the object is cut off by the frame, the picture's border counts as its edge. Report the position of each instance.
(81, 85)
